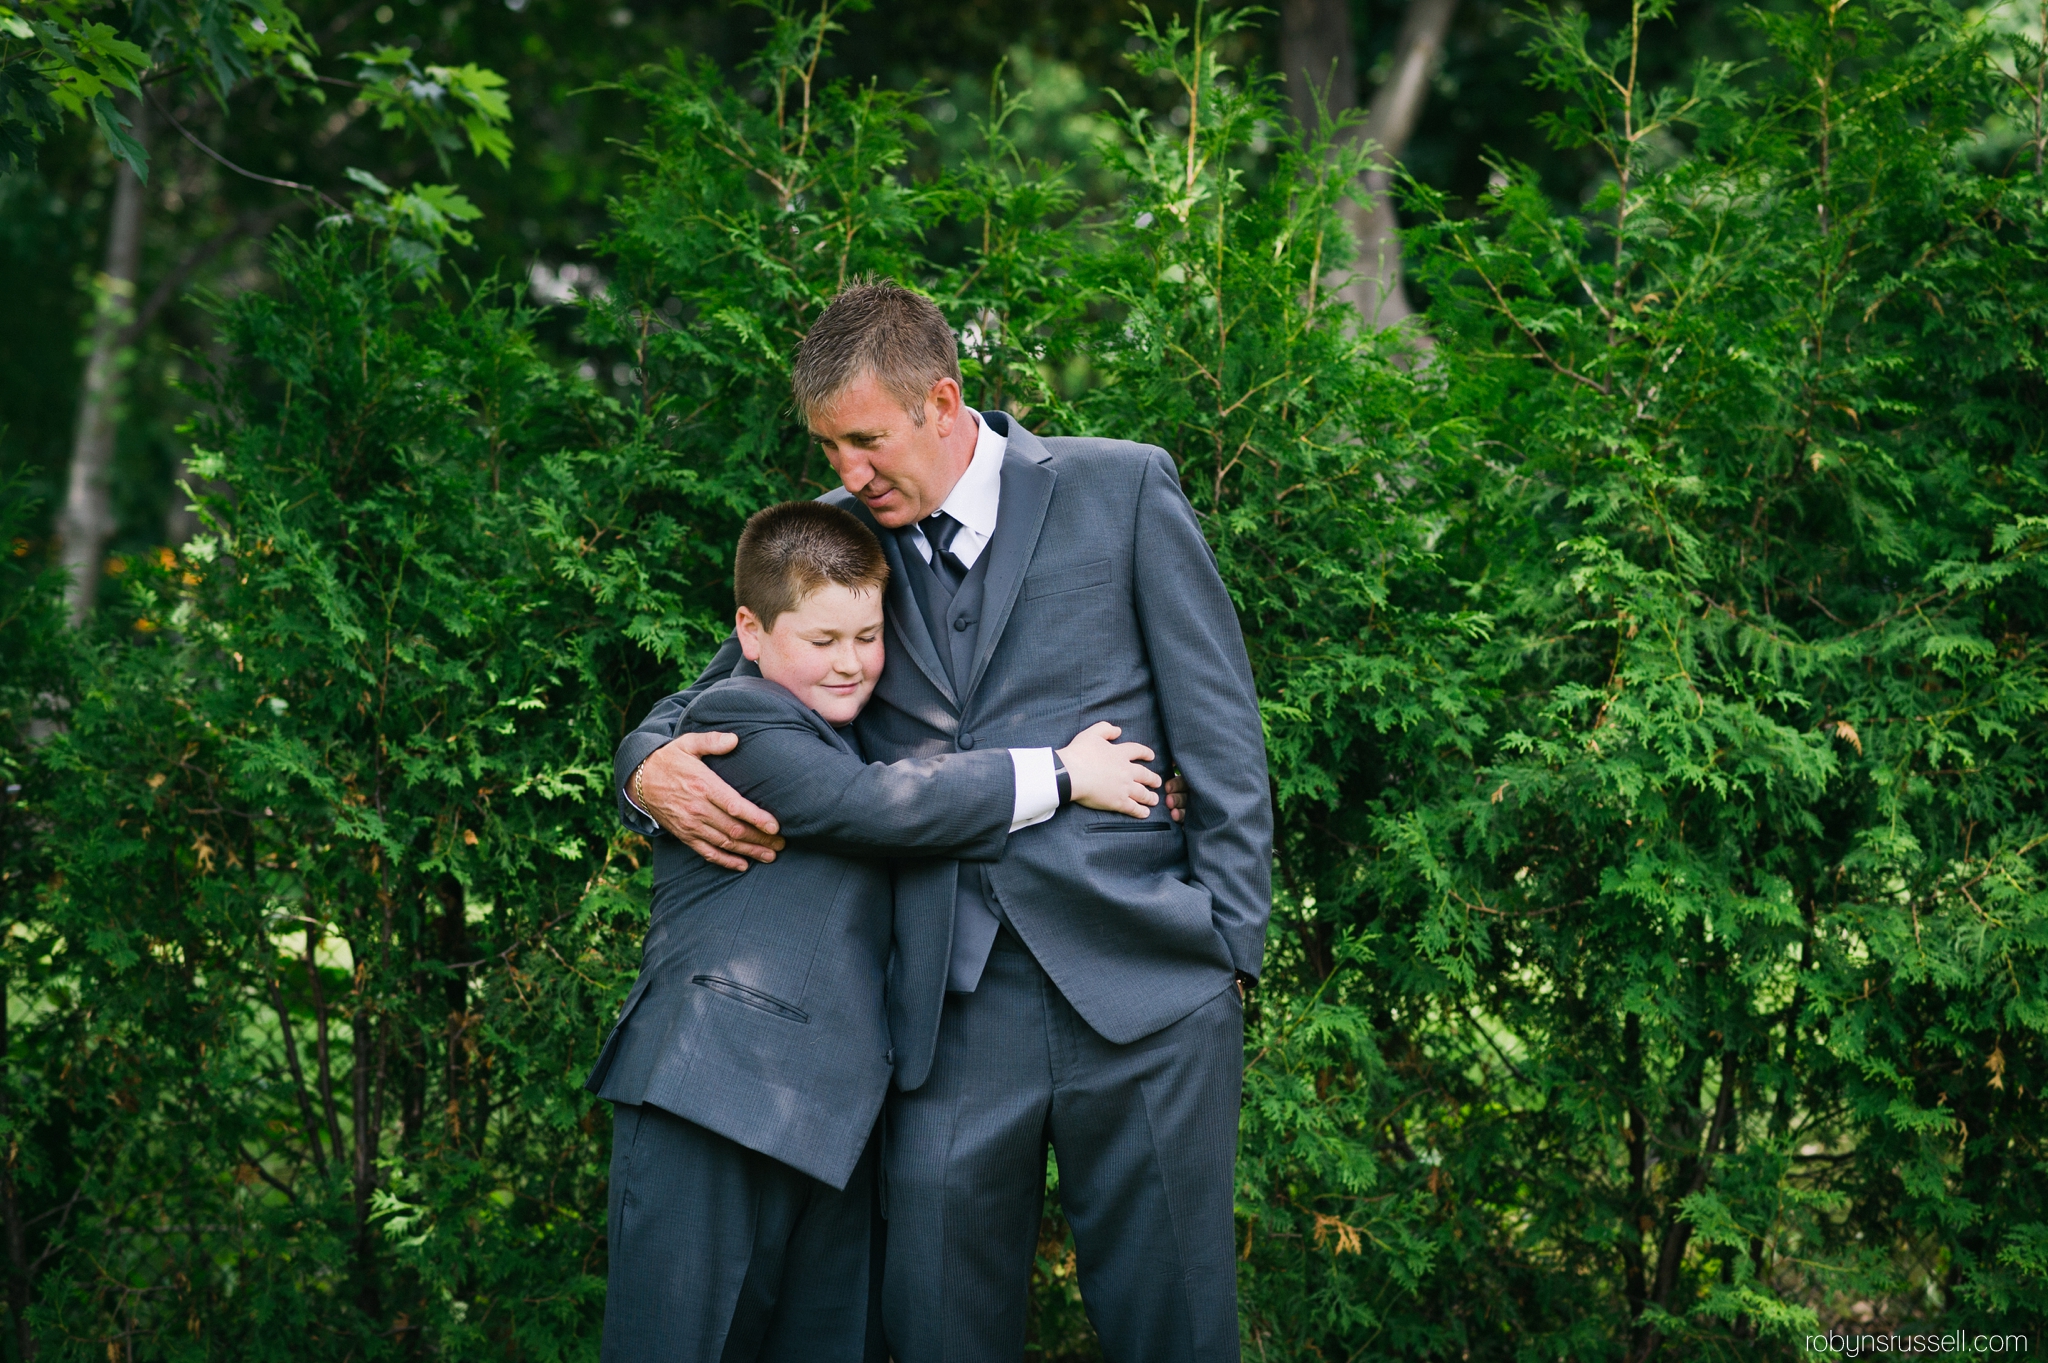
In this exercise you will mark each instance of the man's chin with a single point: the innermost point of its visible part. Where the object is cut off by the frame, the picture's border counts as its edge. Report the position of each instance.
(892, 514)
(892, 509)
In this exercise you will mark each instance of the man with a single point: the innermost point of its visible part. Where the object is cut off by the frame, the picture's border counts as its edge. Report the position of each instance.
(1084, 990)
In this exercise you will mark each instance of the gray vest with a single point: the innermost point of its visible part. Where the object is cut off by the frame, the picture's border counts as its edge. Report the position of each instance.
(954, 619)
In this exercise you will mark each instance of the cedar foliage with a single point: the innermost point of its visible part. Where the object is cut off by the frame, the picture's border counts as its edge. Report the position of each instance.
(1651, 671)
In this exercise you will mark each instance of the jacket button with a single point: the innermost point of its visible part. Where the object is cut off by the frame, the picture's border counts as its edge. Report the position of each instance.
(961, 622)
(889, 1056)
(966, 742)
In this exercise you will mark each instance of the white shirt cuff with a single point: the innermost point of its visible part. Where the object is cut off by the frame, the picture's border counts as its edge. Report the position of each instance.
(1038, 790)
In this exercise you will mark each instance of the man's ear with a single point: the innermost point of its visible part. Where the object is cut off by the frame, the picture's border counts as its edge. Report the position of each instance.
(747, 625)
(946, 404)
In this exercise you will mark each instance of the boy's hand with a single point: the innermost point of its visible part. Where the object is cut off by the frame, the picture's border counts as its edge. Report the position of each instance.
(1177, 796)
(1106, 774)
(700, 810)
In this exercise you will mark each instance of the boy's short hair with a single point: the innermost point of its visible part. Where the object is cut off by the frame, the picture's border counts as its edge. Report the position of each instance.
(880, 328)
(789, 550)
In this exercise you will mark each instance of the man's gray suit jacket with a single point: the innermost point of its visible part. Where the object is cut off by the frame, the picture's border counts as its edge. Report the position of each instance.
(759, 1008)
(1102, 602)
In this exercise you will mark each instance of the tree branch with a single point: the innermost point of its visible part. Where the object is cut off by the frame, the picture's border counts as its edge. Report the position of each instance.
(186, 133)
(1671, 1255)
(291, 1057)
(257, 1164)
(321, 1048)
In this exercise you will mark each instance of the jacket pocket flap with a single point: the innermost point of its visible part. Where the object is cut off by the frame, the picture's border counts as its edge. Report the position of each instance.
(1068, 579)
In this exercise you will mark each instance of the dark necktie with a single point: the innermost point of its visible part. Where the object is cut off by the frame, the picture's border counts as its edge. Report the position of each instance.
(939, 530)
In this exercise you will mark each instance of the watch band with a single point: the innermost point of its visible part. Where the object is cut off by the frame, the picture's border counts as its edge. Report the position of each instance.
(1064, 779)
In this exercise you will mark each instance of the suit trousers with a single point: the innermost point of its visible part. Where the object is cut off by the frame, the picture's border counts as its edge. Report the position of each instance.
(720, 1254)
(1145, 1136)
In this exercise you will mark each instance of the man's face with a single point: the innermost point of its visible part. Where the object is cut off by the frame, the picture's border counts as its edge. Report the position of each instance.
(901, 471)
(827, 651)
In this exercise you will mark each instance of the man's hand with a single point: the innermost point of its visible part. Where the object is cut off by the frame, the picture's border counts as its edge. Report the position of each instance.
(1177, 796)
(698, 809)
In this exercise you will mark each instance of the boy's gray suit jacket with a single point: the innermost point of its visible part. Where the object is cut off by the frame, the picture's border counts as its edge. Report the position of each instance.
(759, 1008)
(1102, 603)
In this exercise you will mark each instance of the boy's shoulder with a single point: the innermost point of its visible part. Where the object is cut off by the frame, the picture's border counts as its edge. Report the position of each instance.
(741, 699)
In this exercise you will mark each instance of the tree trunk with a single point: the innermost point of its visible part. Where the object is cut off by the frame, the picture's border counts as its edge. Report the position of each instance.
(87, 521)
(20, 1277)
(1377, 289)
(1317, 56)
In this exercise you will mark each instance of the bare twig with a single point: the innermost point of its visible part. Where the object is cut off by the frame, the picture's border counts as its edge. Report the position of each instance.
(1513, 1068)
(186, 133)
(321, 1048)
(257, 1164)
(291, 1057)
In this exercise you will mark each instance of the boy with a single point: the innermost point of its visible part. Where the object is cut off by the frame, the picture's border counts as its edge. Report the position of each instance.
(750, 1061)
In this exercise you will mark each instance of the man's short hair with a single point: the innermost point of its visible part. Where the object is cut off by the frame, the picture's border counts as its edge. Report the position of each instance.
(789, 550)
(875, 327)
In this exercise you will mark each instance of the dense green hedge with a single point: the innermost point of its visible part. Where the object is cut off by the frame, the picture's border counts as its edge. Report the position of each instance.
(1652, 672)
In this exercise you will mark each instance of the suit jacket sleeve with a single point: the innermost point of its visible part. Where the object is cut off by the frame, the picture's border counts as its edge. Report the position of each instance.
(663, 723)
(1209, 710)
(956, 805)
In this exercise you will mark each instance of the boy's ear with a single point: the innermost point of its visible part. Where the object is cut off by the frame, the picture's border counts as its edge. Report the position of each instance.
(747, 626)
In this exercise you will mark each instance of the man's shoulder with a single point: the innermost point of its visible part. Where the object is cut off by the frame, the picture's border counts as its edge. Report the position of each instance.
(1099, 450)
(1099, 458)
(1080, 453)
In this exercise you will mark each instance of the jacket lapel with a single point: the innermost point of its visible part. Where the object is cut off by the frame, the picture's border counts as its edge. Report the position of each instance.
(1027, 491)
(904, 617)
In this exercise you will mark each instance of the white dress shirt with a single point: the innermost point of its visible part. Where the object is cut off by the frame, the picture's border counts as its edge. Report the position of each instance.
(974, 500)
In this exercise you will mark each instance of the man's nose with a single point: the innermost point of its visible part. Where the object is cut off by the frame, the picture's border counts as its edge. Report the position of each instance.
(854, 471)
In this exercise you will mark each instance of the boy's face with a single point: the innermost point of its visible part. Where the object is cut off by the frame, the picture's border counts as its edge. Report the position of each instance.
(827, 651)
